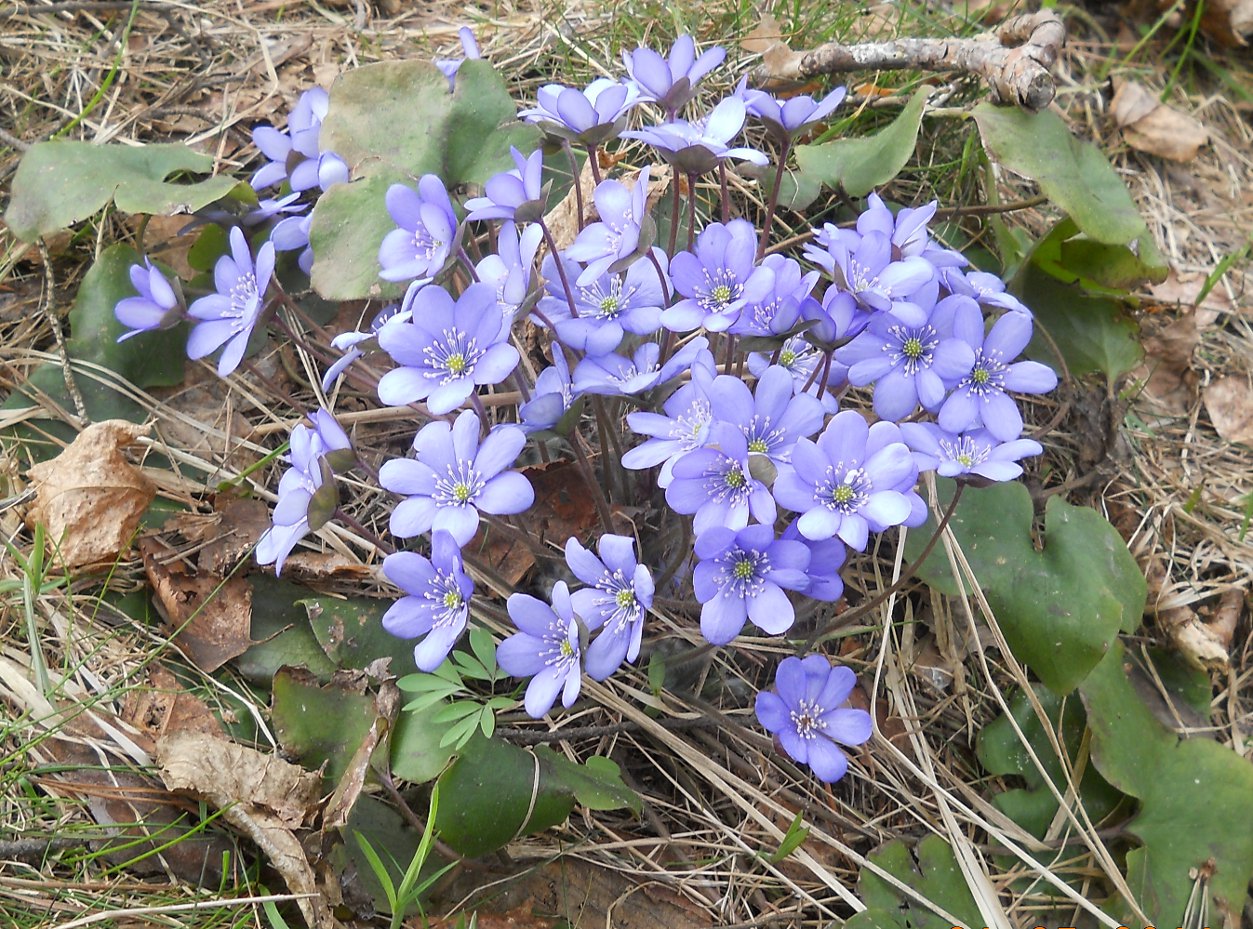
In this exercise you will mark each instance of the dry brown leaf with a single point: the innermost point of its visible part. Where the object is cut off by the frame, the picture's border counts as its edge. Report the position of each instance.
(1184, 290)
(262, 796)
(1153, 127)
(1229, 401)
(1229, 22)
(762, 37)
(211, 618)
(166, 707)
(1169, 383)
(90, 497)
(198, 417)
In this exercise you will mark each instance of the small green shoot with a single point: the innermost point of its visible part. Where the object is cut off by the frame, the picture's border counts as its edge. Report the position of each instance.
(412, 886)
(795, 836)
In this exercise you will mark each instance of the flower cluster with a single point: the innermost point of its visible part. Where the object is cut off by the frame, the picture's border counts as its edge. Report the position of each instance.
(771, 412)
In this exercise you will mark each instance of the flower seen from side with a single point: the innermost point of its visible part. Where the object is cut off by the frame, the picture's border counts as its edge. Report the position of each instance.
(617, 375)
(446, 349)
(697, 147)
(307, 496)
(450, 66)
(552, 397)
(453, 478)
(158, 306)
(355, 344)
(807, 713)
(588, 116)
(616, 600)
(547, 648)
(508, 271)
(786, 119)
(865, 268)
(519, 194)
(671, 81)
(295, 155)
(228, 316)
(616, 236)
(437, 602)
(742, 576)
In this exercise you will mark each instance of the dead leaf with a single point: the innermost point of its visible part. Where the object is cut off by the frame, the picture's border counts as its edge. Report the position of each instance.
(262, 796)
(765, 34)
(199, 417)
(165, 706)
(1183, 290)
(90, 497)
(1169, 383)
(1228, 22)
(563, 508)
(211, 618)
(1229, 401)
(1151, 126)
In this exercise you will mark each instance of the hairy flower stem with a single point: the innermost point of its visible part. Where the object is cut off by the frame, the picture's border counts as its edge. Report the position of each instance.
(589, 475)
(907, 575)
(684, 549)
(578, 187)
(691, 211)
(467, 263)
(356, 526)
(609, 439)
(593, 159)
(773, 202)
(724, 192)
(561, 268)
(675, 211)
(661, 277)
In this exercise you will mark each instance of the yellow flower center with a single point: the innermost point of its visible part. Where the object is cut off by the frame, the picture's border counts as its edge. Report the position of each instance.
(842, 494)
(734, 479)
(461, 492)
(721, 295)
(743, 569)
(625, 599)
(452, 600)
(912, 348)
(456, 363)
(980, 376)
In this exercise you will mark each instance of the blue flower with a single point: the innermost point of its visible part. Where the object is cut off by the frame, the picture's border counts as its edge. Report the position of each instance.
(355, 344)
(519, 194)
(438, 601)
(295, 155)
(453, 478)
(865, 267)
(981, 397)
(427, 234)
(158, 306)
(445, 350)
(671, 81)
(547, 648)
(684, 427)
(826, 557)
(716, 484)
(741, 576)
(697, 147)
(717, 279)
(615, 375)
(307, 497)
(771, 417)
(805, 363)
(977, 454)
(449, 66)
(988, 290)
(856, 479)
(508, 271)
(907, 231)
(228, 316)
(588, 116)
(616, 237)
(786, 119)
(807, 713)
(617, 600)
(552, 397)
(780, 291)
(911, 363)
(609, 306)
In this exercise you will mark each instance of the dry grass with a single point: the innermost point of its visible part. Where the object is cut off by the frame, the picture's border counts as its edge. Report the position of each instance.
(716, 795)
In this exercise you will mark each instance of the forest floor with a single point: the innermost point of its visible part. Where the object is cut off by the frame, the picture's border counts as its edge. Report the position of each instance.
(1163, 453)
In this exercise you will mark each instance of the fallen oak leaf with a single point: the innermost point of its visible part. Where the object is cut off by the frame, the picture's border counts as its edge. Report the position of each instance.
(90, 497)
(1151, 126)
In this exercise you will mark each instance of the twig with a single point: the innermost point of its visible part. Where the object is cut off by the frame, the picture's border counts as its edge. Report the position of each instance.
(1015, 62)
(46, 304)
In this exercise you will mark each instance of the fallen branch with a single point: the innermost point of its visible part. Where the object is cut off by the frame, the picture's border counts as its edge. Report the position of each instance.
(1015, 61)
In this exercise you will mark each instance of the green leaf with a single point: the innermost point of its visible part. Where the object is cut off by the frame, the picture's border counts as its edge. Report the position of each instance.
(486, 795)
(416, 752)
(1001, 752)
(1094, 334)
(351, 632)
(935, 875)
(393, 122)
(1074, 174)
(797, 190)
(872, 919)
(861, 165)
(320, 725)
(280, 627)
(1195, 815)
(484, 648)
(1059, 608)
(61, 182)
(393, 841)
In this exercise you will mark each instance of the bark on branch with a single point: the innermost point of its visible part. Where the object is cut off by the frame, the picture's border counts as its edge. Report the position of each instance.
(1016, 61)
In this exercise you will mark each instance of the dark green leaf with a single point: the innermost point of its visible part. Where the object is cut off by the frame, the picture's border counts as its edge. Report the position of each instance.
(1075, 175)
(320, 725)
(352, 635)
(1195, 812)
(280, 627)
(1059, 608)
(861, 165)
(61, 182)
(935, 875)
